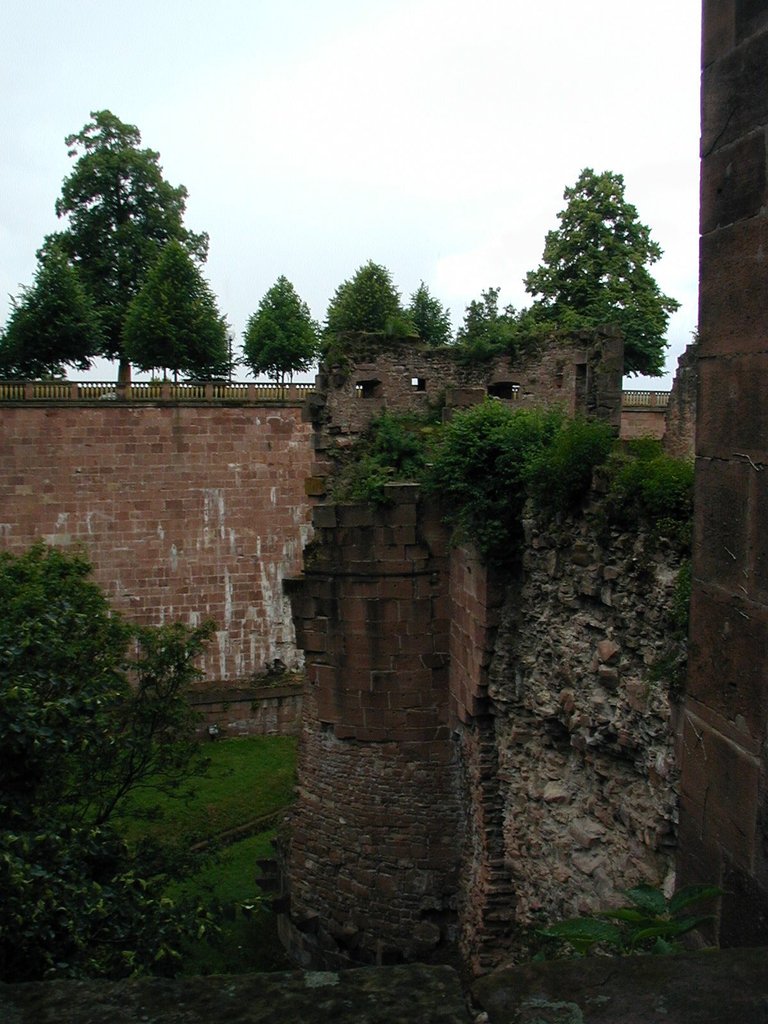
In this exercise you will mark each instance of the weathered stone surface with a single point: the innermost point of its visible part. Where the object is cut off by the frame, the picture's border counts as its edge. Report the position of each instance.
(385, 995)
(582, 721)
(692, 988)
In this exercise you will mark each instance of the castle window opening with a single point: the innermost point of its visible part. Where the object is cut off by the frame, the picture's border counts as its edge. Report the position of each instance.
(418, 384)
(368, 389)
(506, 389)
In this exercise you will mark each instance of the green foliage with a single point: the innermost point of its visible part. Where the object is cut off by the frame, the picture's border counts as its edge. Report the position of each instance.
(121, 211)
(173, 322)
(281, 337)
(394, 447)
(370, 303)
(559, 475)
(480, 468)
(430, 318)
(648, 924)
(594, 272)
(487, 331)
(90, 710)
(53, 324)
(651, 487)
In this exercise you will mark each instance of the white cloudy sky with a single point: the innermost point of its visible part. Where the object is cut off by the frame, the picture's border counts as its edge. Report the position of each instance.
(433, 136)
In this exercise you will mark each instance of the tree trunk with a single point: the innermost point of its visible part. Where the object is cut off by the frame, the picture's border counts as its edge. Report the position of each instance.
(124, 371)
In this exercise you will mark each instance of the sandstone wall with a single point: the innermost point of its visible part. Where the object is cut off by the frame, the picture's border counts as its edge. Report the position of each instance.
(187, 512)
(724, 801)
(582, 374)
(373, 849)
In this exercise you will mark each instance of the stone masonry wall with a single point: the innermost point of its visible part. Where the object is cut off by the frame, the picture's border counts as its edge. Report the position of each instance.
(373, 850)
(724, 786)
(186, 512)
(582, 374)
(585, 728)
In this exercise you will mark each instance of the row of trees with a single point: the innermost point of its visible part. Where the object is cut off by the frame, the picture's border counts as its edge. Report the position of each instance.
(124, 280)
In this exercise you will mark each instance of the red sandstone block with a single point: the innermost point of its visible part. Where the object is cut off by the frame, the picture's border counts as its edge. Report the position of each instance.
(733, 312)
(725, 387)
(721, 785)
(734, 183)
(727, 655)
(721, 526)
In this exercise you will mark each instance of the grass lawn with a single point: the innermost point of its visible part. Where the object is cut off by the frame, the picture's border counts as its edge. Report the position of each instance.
(247, 781)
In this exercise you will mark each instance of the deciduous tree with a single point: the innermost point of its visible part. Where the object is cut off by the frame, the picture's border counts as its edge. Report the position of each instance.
(281, 337)
(52, 325)
(487, 330)
(430, 318)
(91, 708)
(368, 302)
(173, 322)
(595, 271)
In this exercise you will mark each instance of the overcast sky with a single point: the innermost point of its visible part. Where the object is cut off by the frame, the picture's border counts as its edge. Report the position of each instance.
(433, 136)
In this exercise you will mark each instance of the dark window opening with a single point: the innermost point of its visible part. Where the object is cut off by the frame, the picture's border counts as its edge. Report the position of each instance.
(368, 388)
(418, 384)
(507, 389)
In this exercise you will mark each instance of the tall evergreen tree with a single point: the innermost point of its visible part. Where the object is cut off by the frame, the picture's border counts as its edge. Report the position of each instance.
(595, 271)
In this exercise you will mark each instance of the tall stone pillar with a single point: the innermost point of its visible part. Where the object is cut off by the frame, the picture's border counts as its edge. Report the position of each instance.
(724, 808)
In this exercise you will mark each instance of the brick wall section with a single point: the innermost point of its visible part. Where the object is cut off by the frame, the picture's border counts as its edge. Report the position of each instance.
(680, 416)
(373, 855)
(639, 422)
(186, 512)
(263, 711)
(724, 805)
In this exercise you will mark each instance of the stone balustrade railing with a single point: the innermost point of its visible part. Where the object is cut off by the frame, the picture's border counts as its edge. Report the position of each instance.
(139, 391)
(645, 399)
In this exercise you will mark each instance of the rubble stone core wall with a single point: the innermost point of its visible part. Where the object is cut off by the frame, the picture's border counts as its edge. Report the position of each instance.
(187, 512)
(724, 786)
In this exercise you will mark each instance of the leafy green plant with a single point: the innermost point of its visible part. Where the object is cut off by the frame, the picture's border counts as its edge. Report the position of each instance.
(650, 923)
(479, 471)
(559, 475)
(394, 447)
(91, 709)
(647, 485)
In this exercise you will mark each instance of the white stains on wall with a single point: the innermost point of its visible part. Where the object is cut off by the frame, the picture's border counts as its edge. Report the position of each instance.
(222, 642)
(174, 558)
(160, 531)
(228, 590)
(213, 515)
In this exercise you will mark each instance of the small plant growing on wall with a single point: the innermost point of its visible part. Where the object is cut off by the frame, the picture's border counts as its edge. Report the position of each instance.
(648, 923)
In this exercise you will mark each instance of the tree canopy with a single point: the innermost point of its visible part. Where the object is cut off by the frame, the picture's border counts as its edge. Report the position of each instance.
(368, 302)
(594, 272)
(430, 318)
(53, 324)
(281, 337)
(91, 708)
(120, 212)
(173, 322)
(487, 330)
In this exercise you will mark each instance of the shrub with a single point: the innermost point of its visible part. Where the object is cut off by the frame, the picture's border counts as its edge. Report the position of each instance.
(480, 471)
(560, 474)
(394, 447)
(646, 485)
